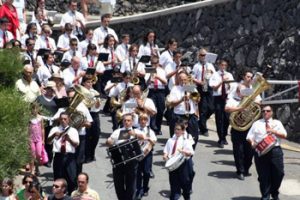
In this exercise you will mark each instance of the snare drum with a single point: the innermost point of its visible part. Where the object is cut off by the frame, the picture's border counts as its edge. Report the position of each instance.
(125, 152)
(175, 162)
(266, 145)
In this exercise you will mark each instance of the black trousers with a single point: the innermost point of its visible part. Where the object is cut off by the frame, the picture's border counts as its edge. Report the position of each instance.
(181, 182)
(64, 166)
(92, 137)
(222, 118)
(125, 180)
(158, 97)
(143, 174)
(107, 75)
(192, 128)
(270, 170)
(242, 151)
(48, 147)
(206, 109)
(80, 153)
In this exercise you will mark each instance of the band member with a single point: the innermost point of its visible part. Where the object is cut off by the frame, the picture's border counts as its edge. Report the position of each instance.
(149, 46)
(172, 69)
(73, 74)
(63, 43)
(167, 56)
(203, 72)
(180, 179)
(125, 175)
(220, 91)
(143, 105)
(184, 107)
(73, 51)
(45, 41)
(90, 59)
(122, 49)
(92, 133)
(31, 32)
(47, 69)
(75, 18)
(101, 32)
(157, 83)
(133, 65)
(242, 150)
(30, 53)
(5, 35)
(65, 139)
(110, 65)
(269, 167)
(118, 92)
(89, 33)
(144, 169)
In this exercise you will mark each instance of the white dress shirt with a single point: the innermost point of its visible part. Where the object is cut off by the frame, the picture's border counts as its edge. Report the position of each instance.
(8, 36)
(162, 74)
(72, 17)
(45, 72)
(165, 58)
(122, 51)
(171, 67)
(41, 43)
(30, 90)
(68, 55)
(109, 51)
(64, 41)
(115, 135)
(182, 144)
(88, 61)
(116, 91)
(146, 50)
(216, 79)
(128, 65)
(69, 75)
(147, 132)
(258, 130)
(176, 94)
(100, 33)
(83, 46)
(25, 37)
(72, 133)
(197, 70)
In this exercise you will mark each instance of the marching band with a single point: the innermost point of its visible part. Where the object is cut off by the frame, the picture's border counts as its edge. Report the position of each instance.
(141, 86)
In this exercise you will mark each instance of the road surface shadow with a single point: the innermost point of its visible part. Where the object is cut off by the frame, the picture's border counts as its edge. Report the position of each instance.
(208, 143)
(223, 152)
(162, 140)
(159, 163)
(245, 198)
(224, 162)
(165, 193)
(223, 174)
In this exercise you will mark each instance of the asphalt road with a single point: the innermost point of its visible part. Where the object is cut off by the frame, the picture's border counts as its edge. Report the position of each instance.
(215, 177)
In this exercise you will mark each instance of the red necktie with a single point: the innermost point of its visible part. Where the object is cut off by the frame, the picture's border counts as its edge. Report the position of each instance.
(223, 91)
(267, 125)
(63, 145)
(156, 83)
(47, 43)
(91, 62)
(174, 146)
(202, 75)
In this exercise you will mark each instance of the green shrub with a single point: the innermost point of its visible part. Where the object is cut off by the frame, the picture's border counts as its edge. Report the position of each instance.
(14, 117)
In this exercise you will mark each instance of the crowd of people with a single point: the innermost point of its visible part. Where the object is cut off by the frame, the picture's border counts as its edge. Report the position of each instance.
(64, 81)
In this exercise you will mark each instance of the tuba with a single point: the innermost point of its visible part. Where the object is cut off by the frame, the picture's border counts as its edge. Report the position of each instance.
(242, 120)
(77, 118)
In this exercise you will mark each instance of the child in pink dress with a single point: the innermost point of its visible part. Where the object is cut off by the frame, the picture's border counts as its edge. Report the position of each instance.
(36, 134)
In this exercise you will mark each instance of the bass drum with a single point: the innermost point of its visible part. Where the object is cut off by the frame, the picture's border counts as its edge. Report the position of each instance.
(175, 162)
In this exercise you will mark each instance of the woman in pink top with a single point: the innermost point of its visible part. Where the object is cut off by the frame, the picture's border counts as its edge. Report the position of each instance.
(36, 134)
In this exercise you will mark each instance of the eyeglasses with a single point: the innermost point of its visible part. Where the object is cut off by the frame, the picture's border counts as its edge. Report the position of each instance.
(31, 44)
(74, 44)
(56, 186)
(266, 110)
(202, 55)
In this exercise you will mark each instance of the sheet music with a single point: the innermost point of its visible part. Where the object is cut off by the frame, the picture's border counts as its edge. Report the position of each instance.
(211, 57)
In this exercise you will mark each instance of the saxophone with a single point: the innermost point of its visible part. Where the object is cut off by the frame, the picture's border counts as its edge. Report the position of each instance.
(242, 120)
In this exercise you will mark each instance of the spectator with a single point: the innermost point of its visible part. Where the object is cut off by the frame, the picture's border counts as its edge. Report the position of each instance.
(59, 190)
(20, 7)
(31, 32)
(5, 35)
(27, 86)
(10, 12)
(83, 191)
(38, 20)
(7, 190)
(32, 189)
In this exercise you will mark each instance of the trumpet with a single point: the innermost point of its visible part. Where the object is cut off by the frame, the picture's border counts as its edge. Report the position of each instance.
(135, 79)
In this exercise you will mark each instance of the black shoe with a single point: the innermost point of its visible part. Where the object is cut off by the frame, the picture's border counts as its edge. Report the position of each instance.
(152, 174)
(221, 145)
(206, 134)
(241, 177)
(145, 194)
(158, 133)
(48, 164)
(225, 142)
(247, 174)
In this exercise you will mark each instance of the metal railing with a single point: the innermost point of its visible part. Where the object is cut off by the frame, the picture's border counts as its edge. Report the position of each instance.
(271, 100)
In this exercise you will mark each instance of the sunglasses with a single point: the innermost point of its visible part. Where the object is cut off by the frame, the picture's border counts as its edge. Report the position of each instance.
(74, 44)
(202, 55)
(25, 182)
(31, 44)
(266, 110)
(56, 186)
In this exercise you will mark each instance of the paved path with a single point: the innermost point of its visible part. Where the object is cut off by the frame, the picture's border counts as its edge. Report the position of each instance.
(215, 172)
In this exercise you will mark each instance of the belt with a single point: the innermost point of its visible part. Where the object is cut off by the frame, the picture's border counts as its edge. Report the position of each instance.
(185, 115)
(153, 89)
